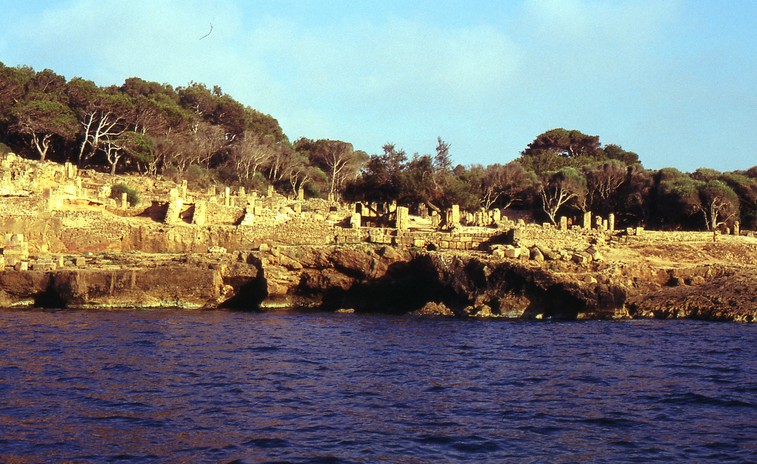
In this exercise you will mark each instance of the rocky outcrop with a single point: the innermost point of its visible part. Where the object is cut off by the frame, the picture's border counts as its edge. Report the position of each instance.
(369, 278)
(707, 293)
(180, 286)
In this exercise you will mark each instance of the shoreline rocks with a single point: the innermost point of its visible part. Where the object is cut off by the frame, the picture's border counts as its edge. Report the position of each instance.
(367, 278)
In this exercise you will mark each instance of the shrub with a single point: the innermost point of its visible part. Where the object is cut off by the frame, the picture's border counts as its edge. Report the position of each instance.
(132, 196)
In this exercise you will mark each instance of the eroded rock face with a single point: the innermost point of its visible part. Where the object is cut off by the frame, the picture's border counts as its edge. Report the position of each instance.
(385, 279)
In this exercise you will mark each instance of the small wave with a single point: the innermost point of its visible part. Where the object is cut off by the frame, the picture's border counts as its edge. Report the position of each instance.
(611, 422)
(263, 349)
(699, 399)
(267, 443)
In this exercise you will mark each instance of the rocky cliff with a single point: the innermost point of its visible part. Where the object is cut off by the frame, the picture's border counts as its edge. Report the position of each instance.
(370, 278)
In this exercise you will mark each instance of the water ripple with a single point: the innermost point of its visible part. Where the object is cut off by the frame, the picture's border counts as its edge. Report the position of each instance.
(172, 386)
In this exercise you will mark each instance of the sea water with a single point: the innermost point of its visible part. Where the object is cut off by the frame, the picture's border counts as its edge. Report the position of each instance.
(219, 386)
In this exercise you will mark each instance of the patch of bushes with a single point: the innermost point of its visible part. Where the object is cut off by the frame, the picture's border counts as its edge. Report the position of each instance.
(132, 196)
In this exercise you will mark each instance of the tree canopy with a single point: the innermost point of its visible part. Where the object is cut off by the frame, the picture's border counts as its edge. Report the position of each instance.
(204, 135)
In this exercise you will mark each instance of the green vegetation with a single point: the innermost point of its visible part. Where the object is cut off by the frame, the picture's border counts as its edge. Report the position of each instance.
(132, 196)
(206, 137)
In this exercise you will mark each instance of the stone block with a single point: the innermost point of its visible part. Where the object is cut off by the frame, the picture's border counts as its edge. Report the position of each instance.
(563, 223)
(581, 258)
(594, 253)
(512, 252)
(44, 264)
(80, 261)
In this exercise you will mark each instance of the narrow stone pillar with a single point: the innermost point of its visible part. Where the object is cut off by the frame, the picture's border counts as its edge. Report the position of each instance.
(270, 191)
(403, 219)
(587, 220)
(242, 192)
(174, 211)
(173, 194)
(455, 215)
(124, 200)
(496, 215)
(611, 222)
(355, 220)
(184, 189)
(227, 196)
(436, 220)
(563, 223)
(212, 191)
(737, 228)
(598, 221)
(300, 194)
(201, 213)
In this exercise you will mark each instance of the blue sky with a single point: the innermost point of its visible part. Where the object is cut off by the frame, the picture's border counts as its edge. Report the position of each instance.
(674, 81)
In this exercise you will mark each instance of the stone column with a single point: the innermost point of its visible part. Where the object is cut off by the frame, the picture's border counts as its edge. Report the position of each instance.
(587, 220)
(355, 220)
(563, 223)
(403, 220)
(270, 191)
(611, 222)
(423, 210)
(174, 211)
(455, 215)
(496, 215)
(737, 228)
(124, 200)
(300, 194)
(184, 189)
(201, 213)
(242, 192)
(227, 196)
(436, 220)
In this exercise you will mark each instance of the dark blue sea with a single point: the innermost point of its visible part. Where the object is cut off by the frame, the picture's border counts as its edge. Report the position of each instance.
(218, 386)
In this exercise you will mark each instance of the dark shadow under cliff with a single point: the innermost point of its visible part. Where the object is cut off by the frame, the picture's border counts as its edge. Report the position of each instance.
(406, 287)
